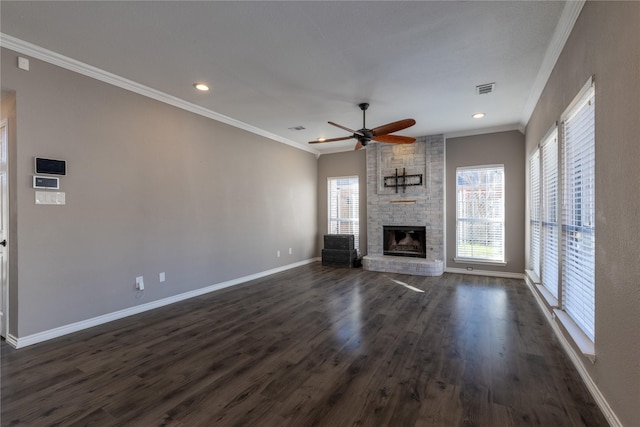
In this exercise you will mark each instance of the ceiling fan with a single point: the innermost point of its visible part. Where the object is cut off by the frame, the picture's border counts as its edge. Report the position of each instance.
(378, 134)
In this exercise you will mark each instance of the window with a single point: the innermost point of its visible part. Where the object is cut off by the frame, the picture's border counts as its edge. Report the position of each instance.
(480, 214)
(534, 223)
(578, 211)
(567, 216)
(344, 207)
(549, 213)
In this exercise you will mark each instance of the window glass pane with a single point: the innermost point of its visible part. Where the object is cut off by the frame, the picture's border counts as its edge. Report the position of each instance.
(578, 214)
(534, 226)
(549, 214)
(480, 213)
(344, 209)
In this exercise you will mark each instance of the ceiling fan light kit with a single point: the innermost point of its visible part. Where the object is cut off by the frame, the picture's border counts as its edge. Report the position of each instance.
(379, 134)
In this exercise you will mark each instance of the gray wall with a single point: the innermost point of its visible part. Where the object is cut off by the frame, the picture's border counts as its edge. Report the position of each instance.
(150, 188)
(604, 43)
(506, 148)
(351, 163)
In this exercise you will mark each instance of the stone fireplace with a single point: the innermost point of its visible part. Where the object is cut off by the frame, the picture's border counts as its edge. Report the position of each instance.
(416, 206)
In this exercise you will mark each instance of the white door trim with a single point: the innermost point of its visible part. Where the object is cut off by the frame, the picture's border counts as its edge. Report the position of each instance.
(4, 203)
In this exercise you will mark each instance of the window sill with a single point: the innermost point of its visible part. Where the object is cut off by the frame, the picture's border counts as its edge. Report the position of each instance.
(533, 277)
(548, 296)
(479, 261)
(584, 343)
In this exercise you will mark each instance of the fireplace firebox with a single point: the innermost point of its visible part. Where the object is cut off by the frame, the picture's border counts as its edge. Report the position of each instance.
(408, 241)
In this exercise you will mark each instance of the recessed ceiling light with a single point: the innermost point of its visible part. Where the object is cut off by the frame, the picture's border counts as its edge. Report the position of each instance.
(201, 87)
(478, 115)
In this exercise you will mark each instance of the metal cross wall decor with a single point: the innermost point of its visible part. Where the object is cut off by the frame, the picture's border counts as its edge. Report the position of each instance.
(403, 180)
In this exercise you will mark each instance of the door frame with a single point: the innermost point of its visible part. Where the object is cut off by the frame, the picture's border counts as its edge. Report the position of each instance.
(4, 270)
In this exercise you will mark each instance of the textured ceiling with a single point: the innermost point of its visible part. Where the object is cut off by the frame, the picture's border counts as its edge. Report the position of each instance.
(276, 65)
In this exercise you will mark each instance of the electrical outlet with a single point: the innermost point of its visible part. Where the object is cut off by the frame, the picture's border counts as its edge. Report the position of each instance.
(278, 254)
(140, 283)
(162, 277)
(290, 251)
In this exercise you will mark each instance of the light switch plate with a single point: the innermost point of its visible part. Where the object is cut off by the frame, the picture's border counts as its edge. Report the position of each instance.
(50, 198)
(23, 63)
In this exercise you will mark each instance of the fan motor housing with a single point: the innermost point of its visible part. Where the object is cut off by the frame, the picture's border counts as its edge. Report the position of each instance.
(366, 137)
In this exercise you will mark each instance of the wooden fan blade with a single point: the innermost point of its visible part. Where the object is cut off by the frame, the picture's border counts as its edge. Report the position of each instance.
(394, 139)
(393, 127)
(358, 146)
(346, 128)
(344, 138)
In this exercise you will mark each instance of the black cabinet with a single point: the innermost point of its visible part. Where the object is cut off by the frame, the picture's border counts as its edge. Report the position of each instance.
(343, 242)
(339, 250)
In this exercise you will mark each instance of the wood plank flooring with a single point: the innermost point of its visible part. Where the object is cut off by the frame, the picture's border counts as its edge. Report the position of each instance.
(312, 346)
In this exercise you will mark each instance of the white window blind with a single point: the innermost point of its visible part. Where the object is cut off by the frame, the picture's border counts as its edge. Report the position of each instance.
(578, 212)
(534, 214)
(549, 213)
(344, 207)
(480, 213)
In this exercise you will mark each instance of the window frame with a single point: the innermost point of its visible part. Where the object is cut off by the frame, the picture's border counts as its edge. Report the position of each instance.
(355, 221)
(550, 198)
(535, 221)
(461, 256)
(580, 309)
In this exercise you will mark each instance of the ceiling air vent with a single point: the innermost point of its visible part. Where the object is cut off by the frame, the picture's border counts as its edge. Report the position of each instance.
(485, 88)
(297, 128)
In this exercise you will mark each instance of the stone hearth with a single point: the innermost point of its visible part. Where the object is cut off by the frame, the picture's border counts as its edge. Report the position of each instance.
(421, 205)
(403, 265)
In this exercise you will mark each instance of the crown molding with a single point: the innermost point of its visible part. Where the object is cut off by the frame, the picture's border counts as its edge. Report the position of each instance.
(76, 66)
(483, 131)
(568, 18)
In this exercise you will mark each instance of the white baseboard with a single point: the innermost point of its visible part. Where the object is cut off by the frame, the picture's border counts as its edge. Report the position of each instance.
(575, 359)
(11, 340)
(474, 272)
(105, 318)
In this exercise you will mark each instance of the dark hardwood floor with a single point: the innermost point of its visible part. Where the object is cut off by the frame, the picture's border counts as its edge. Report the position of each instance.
(313, 346)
